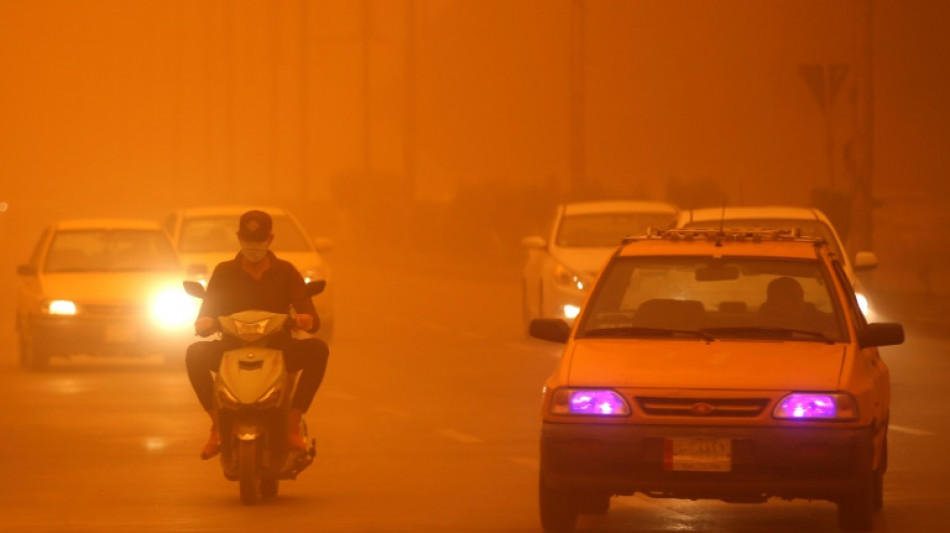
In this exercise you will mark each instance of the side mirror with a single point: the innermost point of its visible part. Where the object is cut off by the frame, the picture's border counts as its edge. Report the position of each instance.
(865, 261)
(26, 270)
(881, 334)
(194, 288)
(550, 329)
(323, 244)
(534, 243)
(316, 287)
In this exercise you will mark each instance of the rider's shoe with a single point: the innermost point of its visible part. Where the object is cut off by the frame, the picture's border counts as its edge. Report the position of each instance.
(213, 446)
(294, 435)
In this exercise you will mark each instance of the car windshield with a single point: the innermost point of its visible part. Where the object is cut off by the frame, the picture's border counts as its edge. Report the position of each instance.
(110, 250)
(607, 229)
(731, 297)
(814, 228)
(212, 234)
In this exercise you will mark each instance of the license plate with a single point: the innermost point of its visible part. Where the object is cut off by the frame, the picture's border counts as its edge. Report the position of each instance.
(116, 333)
(698, 455)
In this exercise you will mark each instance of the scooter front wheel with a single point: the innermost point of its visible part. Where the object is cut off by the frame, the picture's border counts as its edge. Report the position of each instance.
(248, 471)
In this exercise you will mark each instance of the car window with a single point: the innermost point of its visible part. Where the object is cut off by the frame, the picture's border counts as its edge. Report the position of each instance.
(219, 234)
(105, 250)
(815, 228)
(729, 297)
(607, 229)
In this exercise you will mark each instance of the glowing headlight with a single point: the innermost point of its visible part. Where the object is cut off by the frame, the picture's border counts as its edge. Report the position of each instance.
(594, 402)
(571, 311)
(174, 308)
(816, 406)
(61, 307)
(313, 274)
(863, 303)
(564, 276)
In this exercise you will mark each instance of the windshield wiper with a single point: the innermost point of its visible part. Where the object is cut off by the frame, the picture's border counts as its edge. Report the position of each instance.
(768, 331)
(635, 331)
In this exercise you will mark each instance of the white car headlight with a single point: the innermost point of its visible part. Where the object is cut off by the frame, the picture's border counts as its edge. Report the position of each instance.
(173, 308)
(566, 277)
(61, 307)
(863, 303)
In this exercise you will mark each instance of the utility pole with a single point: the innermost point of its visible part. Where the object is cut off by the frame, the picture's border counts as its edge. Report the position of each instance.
(577, 164)
(409, 143)
(862, 153)
(367, 15)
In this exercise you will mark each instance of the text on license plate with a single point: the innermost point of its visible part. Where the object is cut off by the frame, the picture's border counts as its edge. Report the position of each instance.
(697, 455)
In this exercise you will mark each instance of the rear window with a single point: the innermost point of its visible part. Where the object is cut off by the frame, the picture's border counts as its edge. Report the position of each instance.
(607, 229)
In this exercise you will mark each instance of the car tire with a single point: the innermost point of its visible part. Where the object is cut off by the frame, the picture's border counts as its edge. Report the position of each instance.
(558, 507)
(597, 504)
(856, 510)
(31, 357)
(878, 479)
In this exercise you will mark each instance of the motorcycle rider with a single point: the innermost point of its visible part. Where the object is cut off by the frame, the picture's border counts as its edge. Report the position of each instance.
(257, 279)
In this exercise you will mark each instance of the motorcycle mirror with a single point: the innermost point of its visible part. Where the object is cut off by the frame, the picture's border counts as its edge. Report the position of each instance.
(194, 288)
(316, 287)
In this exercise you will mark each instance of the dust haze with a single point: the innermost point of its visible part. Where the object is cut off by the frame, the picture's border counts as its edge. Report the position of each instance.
(450, 128)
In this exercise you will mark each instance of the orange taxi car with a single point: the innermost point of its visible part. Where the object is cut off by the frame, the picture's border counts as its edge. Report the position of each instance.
(708, 364)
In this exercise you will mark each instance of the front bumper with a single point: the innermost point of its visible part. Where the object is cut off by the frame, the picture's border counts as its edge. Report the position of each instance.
(784, 462)
(136, 336)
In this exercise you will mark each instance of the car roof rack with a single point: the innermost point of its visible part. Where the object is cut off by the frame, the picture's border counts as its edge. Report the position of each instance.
(725, 234)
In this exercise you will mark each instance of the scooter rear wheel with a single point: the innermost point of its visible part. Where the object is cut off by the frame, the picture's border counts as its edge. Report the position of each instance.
(248, 467)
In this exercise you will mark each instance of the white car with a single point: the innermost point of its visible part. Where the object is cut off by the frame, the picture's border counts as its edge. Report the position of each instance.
(809, 220)
(102, 287)
(561, 266)
(206, 236)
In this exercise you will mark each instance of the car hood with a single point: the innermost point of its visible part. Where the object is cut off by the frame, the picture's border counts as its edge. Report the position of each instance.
(697, 364)
(301, 260)
(109, 286)
(583, 260)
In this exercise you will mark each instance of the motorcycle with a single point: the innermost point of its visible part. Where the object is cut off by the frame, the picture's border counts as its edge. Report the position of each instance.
(252, 393)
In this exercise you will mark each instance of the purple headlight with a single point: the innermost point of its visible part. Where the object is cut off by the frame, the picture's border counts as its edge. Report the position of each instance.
(597, 402)
(805, 406)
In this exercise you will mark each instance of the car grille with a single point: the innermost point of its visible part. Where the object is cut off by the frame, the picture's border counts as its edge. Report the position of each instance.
(702, 407)
(125, 310)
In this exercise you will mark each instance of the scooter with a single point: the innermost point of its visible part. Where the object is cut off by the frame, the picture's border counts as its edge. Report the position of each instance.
(252, 393)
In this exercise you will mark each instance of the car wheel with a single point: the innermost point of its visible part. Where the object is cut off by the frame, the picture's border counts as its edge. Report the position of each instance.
(30, 356)
(878, 479)
(598, 504)
(856, 510)
(526, 316)
(559, 508)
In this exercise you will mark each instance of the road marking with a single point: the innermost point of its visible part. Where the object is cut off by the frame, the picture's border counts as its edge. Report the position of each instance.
(458, 436)
(398, 413)
(530, 462)
(911, 431)
(339, 395)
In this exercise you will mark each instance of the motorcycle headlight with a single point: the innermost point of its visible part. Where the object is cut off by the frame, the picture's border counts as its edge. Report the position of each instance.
(313, 274)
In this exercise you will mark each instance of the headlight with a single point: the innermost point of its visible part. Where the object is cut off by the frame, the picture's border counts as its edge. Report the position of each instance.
(571, 311)
(61, 307)
(816, 406)
(250, 331)
(593, 402)
(174, 308)
(863, 303)
(313, 274)
(566, 277)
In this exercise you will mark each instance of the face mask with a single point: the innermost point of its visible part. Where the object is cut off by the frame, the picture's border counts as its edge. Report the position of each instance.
(254, 252)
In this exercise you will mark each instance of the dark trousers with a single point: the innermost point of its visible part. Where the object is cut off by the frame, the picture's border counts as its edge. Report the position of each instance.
(309, 356)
